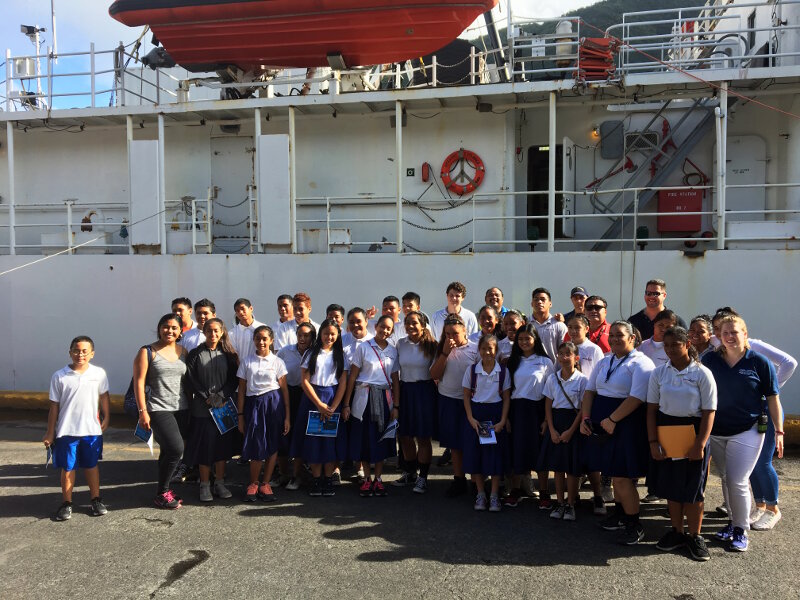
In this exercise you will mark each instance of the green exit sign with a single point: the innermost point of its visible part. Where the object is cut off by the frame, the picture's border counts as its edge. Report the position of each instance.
(409, 172)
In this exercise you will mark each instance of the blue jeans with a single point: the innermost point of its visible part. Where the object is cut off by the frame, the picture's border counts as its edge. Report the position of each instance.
(764, 479)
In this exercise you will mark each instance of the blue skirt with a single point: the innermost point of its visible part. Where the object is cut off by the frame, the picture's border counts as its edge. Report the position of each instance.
(417, 409)
(485, 459)
(316, 449)
(285, 443)
(263, 425)
(680, 480)
(561, 458)
(526, 418)
(452, 420)
(626, 453)
(206, 445)
(365, 435)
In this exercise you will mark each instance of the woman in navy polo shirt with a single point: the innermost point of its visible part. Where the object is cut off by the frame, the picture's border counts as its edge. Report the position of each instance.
(747, 387)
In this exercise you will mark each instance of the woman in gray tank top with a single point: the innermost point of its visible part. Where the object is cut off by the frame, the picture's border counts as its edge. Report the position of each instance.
(161, 366)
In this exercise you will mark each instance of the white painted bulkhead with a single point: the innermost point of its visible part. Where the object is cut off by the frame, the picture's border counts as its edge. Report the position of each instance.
(117, 300)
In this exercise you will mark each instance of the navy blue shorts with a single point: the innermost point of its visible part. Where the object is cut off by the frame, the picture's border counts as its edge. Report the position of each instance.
(73, 452)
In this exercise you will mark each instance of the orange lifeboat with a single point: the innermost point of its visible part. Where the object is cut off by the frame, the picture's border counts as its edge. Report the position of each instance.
(205, 35)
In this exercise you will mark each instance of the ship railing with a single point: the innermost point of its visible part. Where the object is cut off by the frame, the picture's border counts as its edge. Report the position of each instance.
(38, 81)
(154, 93)
(724, 227)
(534, 52)
(65, 231)
(717, 35)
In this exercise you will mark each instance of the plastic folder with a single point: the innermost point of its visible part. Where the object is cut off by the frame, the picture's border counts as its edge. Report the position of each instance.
(676, 440)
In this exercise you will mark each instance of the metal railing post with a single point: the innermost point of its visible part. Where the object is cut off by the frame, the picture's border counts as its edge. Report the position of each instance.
(255, 235)
(129, 140)
(9, 80)
(194, 226)
(434, 68)
(162, 186)
(250, 218)
(49, 78)
(472, 65)
(293, 177)
(635, 218)
(398, 139)
(209, 220)
(551, 187)
(397, 77)
(328, 223)
(722, 137)
(69, 204)
(11, 191)
(121, 91)
(91, 70)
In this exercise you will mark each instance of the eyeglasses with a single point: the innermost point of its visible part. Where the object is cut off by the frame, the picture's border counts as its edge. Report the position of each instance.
(594, 307)
(652, 294)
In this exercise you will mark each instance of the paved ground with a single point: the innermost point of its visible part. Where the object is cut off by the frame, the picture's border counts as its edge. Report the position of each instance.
(401, 546)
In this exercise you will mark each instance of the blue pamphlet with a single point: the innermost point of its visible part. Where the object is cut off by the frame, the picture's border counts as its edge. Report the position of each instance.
(317, 426)
(225, 417)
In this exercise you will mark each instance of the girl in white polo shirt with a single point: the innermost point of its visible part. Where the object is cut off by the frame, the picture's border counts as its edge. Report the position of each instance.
(560, 451)
(590, 353)
(373, 384)
(486, 388)
(323, 380)
(263, 404)
(681, 392)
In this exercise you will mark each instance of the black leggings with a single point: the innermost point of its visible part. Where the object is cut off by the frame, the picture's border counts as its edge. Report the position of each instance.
(167, 433)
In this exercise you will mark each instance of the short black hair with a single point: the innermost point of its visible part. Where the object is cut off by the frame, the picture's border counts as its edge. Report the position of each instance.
(391, 299)
(284, 297)
(205, 303)
(81, 338)
(184, 301)
(337, 307)
(411, 297)
(541, 290)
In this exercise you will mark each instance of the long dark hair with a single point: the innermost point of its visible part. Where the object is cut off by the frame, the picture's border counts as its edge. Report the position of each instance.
(224, 341)
(680, 334)
(166, 319)
(338, 351)
(451, 319)
(427, 343)
(516, 353)
(312, 330)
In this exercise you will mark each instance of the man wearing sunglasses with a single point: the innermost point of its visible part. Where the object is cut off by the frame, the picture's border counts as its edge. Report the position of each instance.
(595, 310)
(654, 294)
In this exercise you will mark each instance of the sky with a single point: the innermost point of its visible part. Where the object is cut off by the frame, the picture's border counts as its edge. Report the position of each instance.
(79, 22)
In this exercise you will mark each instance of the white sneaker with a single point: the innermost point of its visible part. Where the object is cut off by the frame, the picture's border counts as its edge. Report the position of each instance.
(755, 513)
(569, 513)
(767, 521)
(220, 490)
(293, 485)
(205, 492)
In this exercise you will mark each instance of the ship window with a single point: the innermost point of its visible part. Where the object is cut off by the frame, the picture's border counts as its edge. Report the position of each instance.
(751, 34)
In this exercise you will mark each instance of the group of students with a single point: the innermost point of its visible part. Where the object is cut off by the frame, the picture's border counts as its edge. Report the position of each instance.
(506, 395)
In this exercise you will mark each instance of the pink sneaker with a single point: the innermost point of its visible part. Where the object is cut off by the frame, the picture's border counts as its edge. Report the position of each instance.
(252, 493)
(377, 488)
(167, 500)
(265, 493)
(365, 491)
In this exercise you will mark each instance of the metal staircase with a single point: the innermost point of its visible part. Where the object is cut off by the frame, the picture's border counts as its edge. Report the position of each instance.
(666, 164)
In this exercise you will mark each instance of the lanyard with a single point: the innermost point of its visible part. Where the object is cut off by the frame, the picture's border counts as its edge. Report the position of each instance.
(612, 368)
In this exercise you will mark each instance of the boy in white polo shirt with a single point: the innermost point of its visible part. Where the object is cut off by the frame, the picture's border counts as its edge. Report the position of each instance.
(74, 428)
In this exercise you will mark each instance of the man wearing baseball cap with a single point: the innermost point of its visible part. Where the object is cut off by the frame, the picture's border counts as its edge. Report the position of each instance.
(578, 296)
